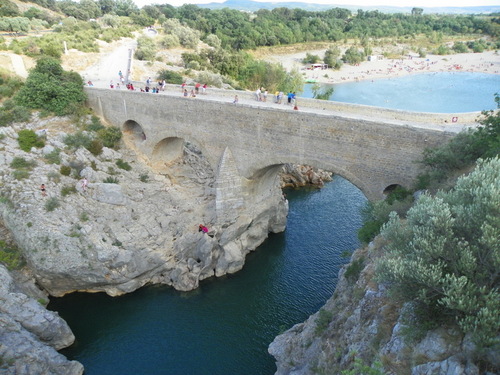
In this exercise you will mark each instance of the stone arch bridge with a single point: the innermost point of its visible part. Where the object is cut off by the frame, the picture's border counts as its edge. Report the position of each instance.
(249, 142)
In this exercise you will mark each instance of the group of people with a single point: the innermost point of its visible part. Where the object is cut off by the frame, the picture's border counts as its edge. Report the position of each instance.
(195, 90)
(83, 182)
(261, 96)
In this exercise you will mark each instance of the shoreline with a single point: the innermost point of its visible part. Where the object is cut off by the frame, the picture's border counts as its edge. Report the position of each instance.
(486, 62)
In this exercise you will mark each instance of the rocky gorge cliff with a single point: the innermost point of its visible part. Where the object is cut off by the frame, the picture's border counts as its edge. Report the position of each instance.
(360, 330)
(129, 226)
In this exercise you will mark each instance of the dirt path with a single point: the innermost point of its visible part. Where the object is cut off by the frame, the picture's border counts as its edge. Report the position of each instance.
(109, 64)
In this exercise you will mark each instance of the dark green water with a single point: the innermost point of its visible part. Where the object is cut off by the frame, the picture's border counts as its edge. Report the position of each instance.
(224, 327)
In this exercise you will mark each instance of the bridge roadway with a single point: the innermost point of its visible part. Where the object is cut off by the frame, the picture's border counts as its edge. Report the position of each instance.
(247, 142)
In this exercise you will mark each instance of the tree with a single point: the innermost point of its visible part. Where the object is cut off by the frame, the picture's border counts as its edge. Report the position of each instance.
(417, 11)
(445, 256)
(323, 93)
(353, 56)
(8, 9)
(50, 88)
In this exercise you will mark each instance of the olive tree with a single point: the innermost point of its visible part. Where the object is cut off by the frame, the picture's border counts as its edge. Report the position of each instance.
(446, 255)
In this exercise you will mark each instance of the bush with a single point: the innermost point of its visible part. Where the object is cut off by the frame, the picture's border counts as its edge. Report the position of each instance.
(50, 88)
(110, 180)
(146, 49)
(144, 177)
(54, 157)
(322, 321)
(169, 41)
(69, 189)
(51, 204)
(77, 140)
(354, 269)
(170, 76)
(110, 136)
(10, 256)
(95, 124)
(65, 170)
(22, 163)
(375, 214)
(95, 147)
(20, 174)
(28, 139)
(123, 165)
(445, 255)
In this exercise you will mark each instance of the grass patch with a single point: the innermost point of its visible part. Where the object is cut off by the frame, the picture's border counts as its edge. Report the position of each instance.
(51, 204)
(67, 190)
(110, 180)
(354, 269)
(10, 256)
(123, 165)
(322, 321)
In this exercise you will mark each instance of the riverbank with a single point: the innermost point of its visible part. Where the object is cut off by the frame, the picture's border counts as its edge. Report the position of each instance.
(487, 62)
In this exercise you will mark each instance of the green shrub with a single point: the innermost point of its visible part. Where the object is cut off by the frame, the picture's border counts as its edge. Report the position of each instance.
(22, 163)
(146, 49)
(398, 194)
(50, 88)
(369, 230)
(20, 174)
(170, 76)
(54, 157)
(69, 189)
(354, 269)
(95, 147)
(95, 124)
(123, 165)
(27, 139)
(110, 136)
(84, 216)
(110, 180)
(322, 321)
(359, 368)
(22, 167)
(144, 177)
(10, 256)
(51, 204)
(77, 140)
(446, 255)
(375, 214)
(65, 170)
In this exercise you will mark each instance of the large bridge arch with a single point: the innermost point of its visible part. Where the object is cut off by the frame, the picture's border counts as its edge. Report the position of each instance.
(262, 172)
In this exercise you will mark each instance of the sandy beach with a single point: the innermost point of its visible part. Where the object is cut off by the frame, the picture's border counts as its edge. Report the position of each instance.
(486, 62)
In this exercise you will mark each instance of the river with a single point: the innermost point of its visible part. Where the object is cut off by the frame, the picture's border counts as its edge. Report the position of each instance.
(225, 326)
(443, 92)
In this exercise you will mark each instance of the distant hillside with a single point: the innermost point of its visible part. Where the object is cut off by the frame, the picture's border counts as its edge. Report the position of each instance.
(252, 6)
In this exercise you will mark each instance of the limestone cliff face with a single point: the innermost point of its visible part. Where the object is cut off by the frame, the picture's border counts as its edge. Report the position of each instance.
(117, 237)
(360, 328)
(30, 335)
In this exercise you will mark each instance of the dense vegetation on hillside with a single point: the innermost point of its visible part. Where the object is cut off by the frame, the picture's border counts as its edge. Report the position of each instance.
(442, 253)
(231, 33)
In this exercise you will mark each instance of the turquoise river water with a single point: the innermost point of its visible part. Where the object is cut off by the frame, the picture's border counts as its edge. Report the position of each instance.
(444, 92)
(225, 326)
